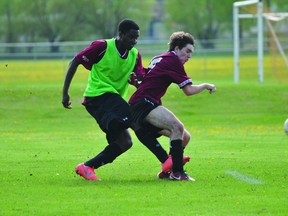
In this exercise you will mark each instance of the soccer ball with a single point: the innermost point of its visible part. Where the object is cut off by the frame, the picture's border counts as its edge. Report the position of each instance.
(286, 126)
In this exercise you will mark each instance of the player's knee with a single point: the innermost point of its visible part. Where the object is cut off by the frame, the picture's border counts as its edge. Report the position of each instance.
(126, 145)
(186, 138)
(178, 129)
(124, 140)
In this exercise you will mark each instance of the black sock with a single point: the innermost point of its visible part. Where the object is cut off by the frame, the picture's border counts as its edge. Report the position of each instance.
(170, 150)
(152, 144)
(109, 154)
(176, 150)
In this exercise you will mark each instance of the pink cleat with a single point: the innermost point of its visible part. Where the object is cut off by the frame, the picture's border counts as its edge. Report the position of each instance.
(186, 159)
(167, 165)
(86, 172)
(163, 175)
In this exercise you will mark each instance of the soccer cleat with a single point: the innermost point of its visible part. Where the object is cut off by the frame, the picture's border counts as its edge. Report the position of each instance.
(167, 165)
(163, 175)
(180, 176)
(86, 172)
(186, 159)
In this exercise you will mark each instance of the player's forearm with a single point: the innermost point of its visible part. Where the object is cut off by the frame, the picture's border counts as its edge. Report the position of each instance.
(195, 89)
(69, 75)
(67, 82)
(198, 88)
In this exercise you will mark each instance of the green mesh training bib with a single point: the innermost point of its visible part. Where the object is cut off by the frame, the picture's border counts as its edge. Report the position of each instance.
(111, 73)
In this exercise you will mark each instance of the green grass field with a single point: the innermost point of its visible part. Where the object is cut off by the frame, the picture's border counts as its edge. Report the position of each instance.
(239, 149)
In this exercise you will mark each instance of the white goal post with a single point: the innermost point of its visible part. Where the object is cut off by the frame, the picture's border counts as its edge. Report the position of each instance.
(236, 17)
(260, 15)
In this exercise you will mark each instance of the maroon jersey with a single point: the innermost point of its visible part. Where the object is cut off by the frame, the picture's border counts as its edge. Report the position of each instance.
(96, 50)
(164, 69)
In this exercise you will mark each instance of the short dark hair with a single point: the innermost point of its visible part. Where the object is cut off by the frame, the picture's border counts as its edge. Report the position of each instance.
(127, 25)
(180, 39)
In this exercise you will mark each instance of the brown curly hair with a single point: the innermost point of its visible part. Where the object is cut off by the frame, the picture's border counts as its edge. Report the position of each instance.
(180, 39)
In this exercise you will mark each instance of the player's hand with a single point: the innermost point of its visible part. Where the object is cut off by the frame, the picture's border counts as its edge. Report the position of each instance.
(66, 101)
(133, 80)
(211, 88)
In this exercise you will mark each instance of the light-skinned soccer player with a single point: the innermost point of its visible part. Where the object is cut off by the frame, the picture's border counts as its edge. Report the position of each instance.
(146, 105)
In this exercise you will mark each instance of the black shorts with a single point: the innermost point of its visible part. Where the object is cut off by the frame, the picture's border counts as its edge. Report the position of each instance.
(140, 110)
(109, 108)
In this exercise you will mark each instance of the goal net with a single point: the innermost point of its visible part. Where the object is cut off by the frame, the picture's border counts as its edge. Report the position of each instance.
(265, 33)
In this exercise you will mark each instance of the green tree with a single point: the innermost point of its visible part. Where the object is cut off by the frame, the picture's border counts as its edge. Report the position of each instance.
(39, 20)
(10, 22)
(104, 15)
(279, 5)
(54, 21)
(65, 20)
(206, 19)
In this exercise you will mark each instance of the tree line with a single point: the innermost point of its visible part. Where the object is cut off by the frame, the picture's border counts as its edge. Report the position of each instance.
(67, 20)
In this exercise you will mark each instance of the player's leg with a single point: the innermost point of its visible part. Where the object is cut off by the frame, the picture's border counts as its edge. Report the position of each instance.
(151, 142)
(113, 118)
(186, 136)
(147, 133)
(115, 148)
(167, 165)
(163, 118)
(112, 114)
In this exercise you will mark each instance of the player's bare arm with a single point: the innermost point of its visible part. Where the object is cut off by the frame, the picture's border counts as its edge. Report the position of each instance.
(68, 78)
(195, 89)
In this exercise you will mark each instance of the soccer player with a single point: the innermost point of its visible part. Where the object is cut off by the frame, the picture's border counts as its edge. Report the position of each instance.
(146, 106)
(110, 63)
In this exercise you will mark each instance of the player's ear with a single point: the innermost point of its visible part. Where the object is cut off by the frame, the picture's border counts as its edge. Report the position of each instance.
(176, 49)
(120, 34)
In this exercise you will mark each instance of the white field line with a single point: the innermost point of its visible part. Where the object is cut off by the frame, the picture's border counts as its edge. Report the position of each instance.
(244, 178)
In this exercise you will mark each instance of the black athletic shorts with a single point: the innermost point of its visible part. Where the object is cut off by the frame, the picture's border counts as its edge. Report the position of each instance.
(110, 111)
(140, 110)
